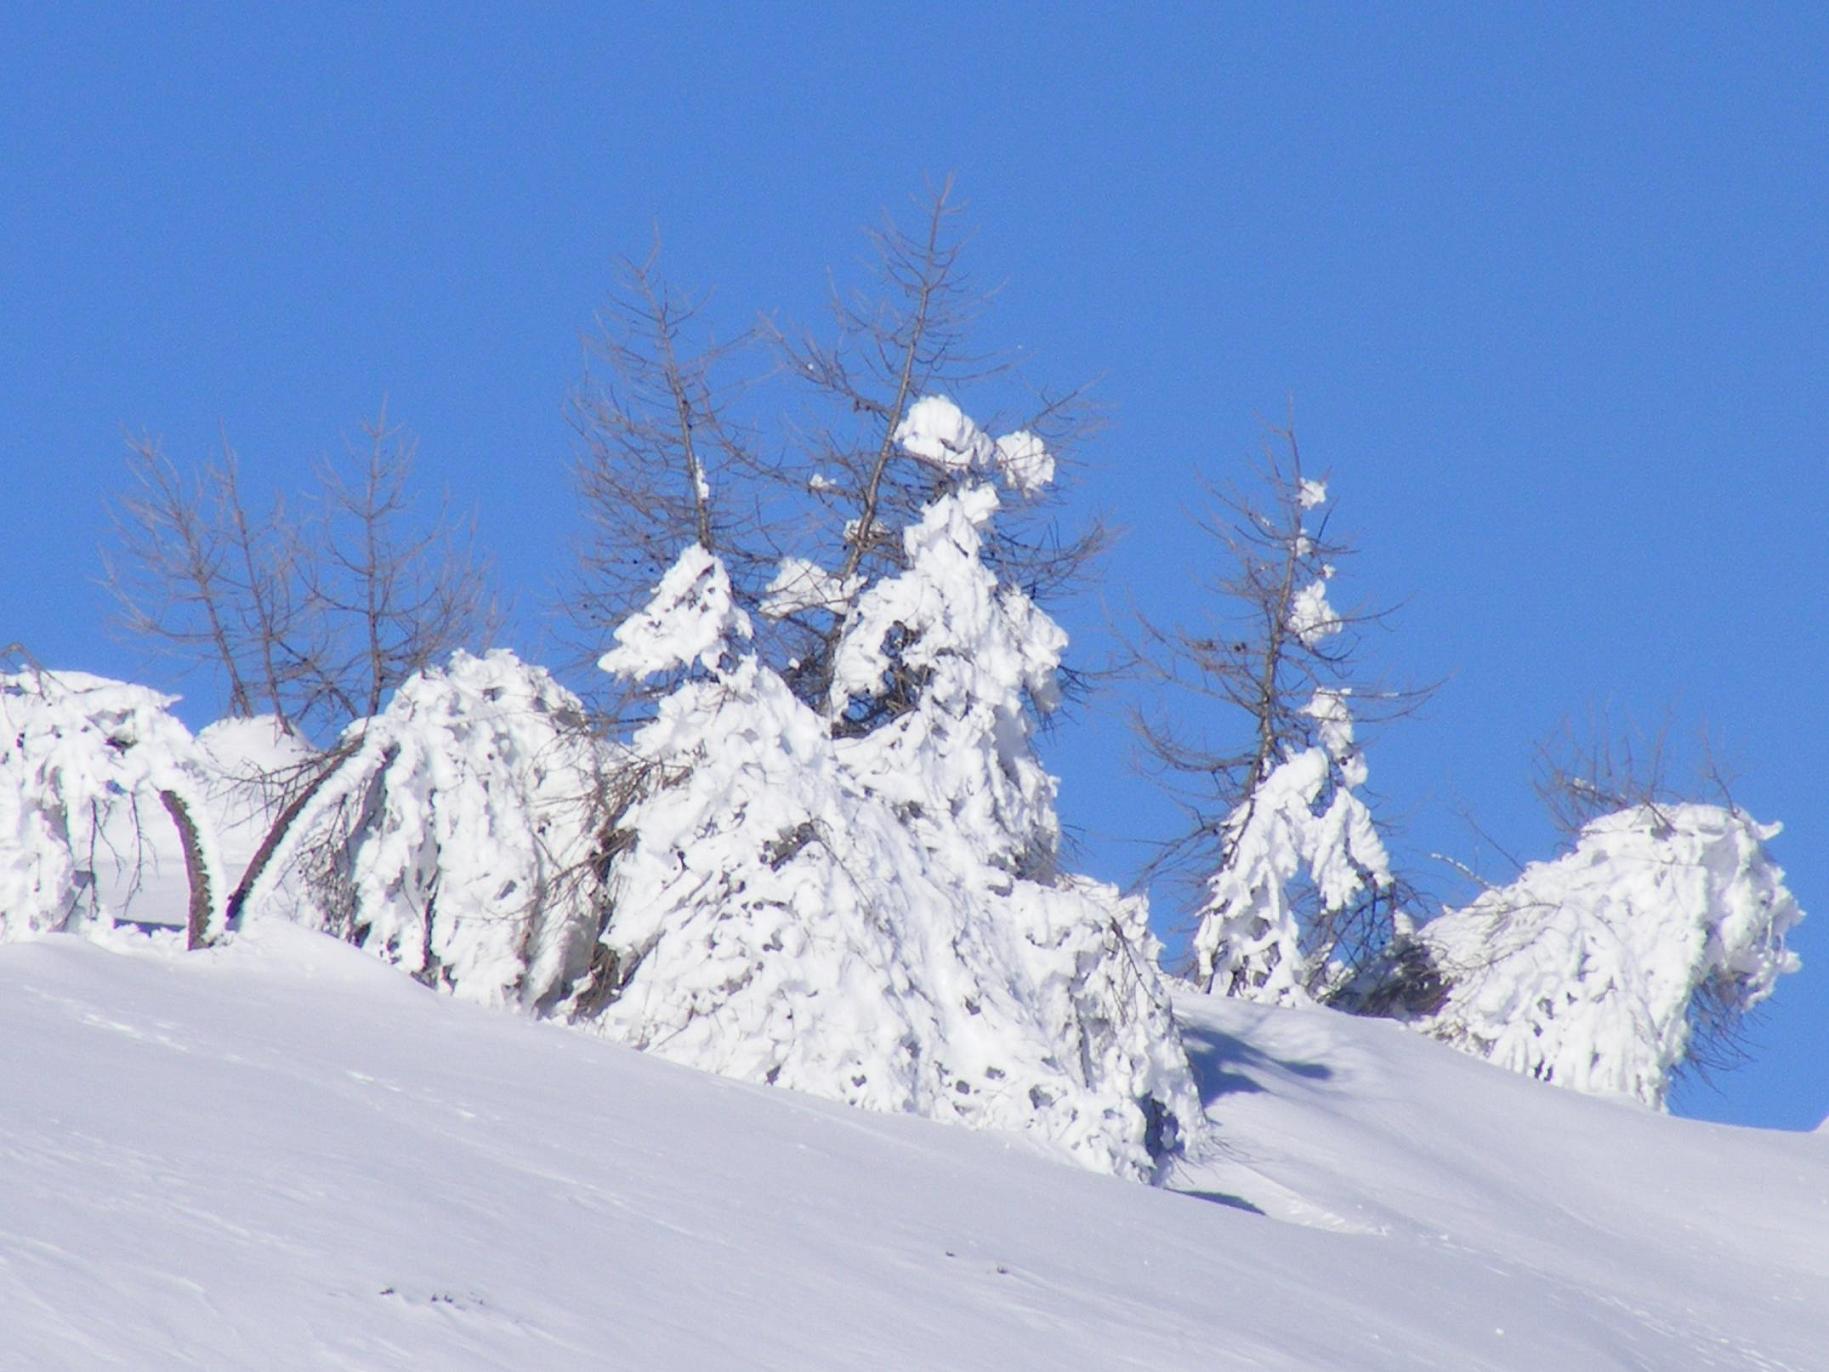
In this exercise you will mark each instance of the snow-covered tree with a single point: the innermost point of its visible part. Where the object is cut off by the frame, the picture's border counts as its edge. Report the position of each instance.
(1295, 886)
(969, 661)
(796, 474)
(455, 834)
(1301, 834)
(1599, 970)
(875, 917)
(85, 764)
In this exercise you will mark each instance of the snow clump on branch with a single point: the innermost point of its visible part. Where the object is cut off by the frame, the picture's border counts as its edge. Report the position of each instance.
(938, 431)
(690, 619)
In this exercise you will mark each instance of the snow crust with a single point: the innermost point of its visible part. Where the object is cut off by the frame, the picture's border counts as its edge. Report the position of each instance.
(1585, 970)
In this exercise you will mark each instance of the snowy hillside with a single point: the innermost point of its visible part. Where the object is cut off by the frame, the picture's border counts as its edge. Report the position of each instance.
(281, 1154)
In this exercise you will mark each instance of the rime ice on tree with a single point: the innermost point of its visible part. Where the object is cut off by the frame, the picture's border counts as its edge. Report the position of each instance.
(455, 838)
(1301, 825)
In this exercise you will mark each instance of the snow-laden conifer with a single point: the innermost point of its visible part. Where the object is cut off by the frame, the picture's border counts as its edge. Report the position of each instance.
(959, 769)
(876, 918)
(455, 836)
(99, 785)
(1293, 888)
(973, 659)
(1598, 970)
(1302, 831)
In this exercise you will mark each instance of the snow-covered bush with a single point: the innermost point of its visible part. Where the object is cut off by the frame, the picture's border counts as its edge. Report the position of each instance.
(99, 785)
(1301, 830)
(454, 836)
(855, 917)
(1598, 970)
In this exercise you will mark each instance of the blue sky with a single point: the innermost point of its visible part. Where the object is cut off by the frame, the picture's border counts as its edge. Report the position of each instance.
(1547, 289)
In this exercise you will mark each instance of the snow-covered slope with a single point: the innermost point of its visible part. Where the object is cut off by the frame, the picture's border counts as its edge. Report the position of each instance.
(281, 1154)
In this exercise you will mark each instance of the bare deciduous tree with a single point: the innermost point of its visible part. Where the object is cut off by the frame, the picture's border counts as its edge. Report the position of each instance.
(312, 619)
(387, 599)
(199, 577)
(655, 431)
(1583, 772)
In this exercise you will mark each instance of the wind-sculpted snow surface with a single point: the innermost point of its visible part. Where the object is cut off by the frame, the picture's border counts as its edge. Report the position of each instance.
(86, 765)
(782, 915)
(1590, 971)
(455, 838)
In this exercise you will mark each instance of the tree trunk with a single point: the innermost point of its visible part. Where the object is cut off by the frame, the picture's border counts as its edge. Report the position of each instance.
(197, 922)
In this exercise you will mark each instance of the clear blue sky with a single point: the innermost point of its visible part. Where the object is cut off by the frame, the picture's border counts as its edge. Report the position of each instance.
(1548, 289)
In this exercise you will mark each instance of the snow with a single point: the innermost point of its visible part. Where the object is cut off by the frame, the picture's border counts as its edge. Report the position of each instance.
(253, 764)
(1303, 828)
(1334, 725)
(938, 431)
(85, 763)
(454, 840)
(689, 619)
(1025, 462)
(982, 639)
(800, 585)
(1310, 616)
(279, 1154)
(877, 920)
